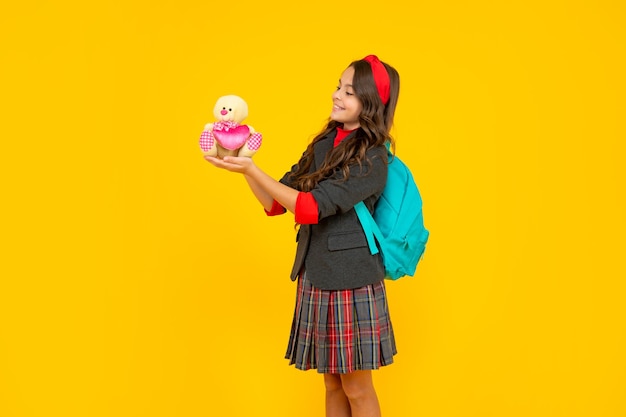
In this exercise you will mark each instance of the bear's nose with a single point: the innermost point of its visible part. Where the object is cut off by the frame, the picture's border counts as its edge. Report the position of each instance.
(224, 112)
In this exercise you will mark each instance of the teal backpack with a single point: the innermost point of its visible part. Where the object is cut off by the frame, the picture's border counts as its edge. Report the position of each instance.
(398, 222)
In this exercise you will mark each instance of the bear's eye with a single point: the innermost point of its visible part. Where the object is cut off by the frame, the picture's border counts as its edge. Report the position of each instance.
(230, 109)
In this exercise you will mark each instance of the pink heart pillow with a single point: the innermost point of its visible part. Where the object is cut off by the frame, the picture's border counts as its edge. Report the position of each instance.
(232, 138)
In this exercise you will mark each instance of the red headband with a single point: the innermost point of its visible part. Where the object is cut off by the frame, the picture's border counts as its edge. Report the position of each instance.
(381, 77)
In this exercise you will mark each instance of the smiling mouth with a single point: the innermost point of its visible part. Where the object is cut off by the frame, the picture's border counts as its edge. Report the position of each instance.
(336, 107)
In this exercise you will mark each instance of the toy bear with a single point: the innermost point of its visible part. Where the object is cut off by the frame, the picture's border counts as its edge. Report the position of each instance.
(227, 137)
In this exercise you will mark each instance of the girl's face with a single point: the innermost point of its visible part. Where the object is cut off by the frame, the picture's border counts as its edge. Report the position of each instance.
(346, 105)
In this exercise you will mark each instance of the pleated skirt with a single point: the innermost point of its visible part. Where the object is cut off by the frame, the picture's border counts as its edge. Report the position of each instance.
(341, 331)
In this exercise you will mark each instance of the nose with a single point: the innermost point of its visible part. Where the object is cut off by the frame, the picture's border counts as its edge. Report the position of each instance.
(224, 112)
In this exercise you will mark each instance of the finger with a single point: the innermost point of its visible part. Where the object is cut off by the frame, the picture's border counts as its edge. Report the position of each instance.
(232, 161)
(217, 162)
(236, 159)
(212, 160)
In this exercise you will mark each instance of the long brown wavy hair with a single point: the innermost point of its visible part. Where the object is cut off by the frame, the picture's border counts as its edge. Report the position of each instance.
(375, 121)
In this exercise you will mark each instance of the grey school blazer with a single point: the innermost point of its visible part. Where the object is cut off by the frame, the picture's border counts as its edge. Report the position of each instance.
(334, 252)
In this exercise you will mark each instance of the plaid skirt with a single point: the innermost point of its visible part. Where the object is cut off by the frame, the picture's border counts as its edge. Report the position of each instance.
(341, 331)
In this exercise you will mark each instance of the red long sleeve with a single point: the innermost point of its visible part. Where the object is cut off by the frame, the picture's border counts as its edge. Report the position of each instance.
(276, 209)
(306, 209)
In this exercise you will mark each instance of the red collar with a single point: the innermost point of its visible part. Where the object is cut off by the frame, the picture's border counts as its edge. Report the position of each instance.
(341, 135)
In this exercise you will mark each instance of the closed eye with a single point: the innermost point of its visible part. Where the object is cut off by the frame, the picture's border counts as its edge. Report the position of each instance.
(348, 93)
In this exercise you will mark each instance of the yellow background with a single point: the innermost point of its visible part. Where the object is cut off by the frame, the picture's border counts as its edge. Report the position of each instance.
(137, 280)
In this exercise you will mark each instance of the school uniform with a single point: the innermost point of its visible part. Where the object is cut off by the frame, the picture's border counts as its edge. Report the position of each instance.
(341, 321)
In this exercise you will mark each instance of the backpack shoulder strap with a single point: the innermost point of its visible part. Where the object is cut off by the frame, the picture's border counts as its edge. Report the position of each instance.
(370, 227)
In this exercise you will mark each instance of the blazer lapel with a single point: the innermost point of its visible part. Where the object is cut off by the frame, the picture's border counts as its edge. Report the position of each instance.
(322, 148)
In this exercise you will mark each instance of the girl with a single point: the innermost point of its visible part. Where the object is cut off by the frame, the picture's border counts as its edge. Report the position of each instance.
(341, 324)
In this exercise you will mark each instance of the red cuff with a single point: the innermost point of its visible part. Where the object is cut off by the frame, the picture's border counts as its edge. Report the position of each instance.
(306, 209)
(276, 209)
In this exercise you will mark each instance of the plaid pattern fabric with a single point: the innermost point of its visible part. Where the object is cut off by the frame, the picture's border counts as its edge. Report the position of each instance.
(254, 141)
(206, 140)
(341, 331)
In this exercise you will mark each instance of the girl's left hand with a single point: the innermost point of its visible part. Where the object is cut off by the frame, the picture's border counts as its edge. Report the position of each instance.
(240, 164)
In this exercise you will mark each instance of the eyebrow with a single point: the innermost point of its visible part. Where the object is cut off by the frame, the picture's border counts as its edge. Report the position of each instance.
(347, 85)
